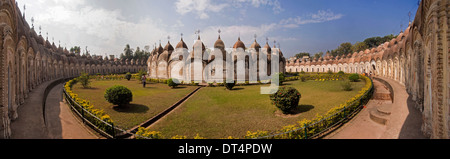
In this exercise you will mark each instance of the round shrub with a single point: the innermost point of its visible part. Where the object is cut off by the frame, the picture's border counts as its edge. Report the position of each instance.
(171, 83)
(118, 95)
(230, 86)
(354, 77)
(286, 99)
(128, 76)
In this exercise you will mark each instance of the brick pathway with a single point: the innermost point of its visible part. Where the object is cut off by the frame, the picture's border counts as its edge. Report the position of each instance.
(59, 121)
(404, 122)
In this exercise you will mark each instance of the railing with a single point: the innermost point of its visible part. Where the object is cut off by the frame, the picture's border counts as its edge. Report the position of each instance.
(318, 128)
(104, 128)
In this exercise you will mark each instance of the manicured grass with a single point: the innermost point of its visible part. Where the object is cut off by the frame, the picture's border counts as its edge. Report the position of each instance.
(147, 102)
(215, 112)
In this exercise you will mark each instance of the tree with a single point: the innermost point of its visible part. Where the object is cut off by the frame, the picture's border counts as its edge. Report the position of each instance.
(359, 46)
(318, 55)
(376, 41)
(127, 52)
(138, 54)
(84, 80)
(300, 55)
(344, 49)
(75, 50)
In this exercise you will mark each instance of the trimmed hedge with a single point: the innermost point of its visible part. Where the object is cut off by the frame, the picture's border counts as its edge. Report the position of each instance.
(118, 95)
(286, 99)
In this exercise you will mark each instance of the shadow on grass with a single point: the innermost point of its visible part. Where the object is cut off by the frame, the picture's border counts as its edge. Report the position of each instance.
(237, 89)
(89, 88)
(301, 109)
(180, 87)
(132, 108)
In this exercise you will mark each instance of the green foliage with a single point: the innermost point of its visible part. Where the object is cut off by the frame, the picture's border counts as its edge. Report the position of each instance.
(330, 72)
(300, 55)
(343, 49)
(286, 99)
(359, 46)
(230, 86)
(140, 74)
(84, 80)
(144, 133)
(171, 83)
(303, 78)
(318, 55)
(354, 77)
(118, 95)
(281, 78)
(128, 76)
(376, 41)
(75, 50)
(346, 86)
(341, 73)
(193, 83)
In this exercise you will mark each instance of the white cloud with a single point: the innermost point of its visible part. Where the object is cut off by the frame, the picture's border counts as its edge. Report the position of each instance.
(275, 4)
(200, 7)
(319, 17)
(103, 31)
(203, 7)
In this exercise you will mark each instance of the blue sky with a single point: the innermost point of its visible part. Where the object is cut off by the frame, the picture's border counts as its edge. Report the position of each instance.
(106, 26)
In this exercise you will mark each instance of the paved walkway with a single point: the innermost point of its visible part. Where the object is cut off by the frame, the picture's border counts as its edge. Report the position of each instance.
(404, 122)
(59, 122)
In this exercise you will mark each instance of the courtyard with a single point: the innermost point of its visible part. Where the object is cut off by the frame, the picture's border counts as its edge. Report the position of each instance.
(215, 112)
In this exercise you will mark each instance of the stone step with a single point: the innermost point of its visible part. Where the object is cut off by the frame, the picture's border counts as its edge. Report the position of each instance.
(382, 96)
(378, 117)
(385, 109)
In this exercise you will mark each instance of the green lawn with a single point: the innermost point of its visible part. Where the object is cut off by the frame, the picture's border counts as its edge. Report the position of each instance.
(147, 102)
(215, 112)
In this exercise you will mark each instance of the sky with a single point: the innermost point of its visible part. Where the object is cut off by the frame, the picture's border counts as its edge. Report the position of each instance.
(106, 26)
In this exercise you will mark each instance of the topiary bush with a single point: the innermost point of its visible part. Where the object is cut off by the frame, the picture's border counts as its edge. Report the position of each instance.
(286, 99)
(230, 86)
(118, 95)
(128, 76)
(354, 77)
(171, 83)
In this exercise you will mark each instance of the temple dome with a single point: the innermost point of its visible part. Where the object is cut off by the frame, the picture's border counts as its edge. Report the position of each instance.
(269, 49)
(255, 45)
(181, 44)
(239, 44)
(219, 44)
(168, 47)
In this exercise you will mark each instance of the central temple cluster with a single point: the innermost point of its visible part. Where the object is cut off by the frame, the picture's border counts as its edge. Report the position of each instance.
(202, 65)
